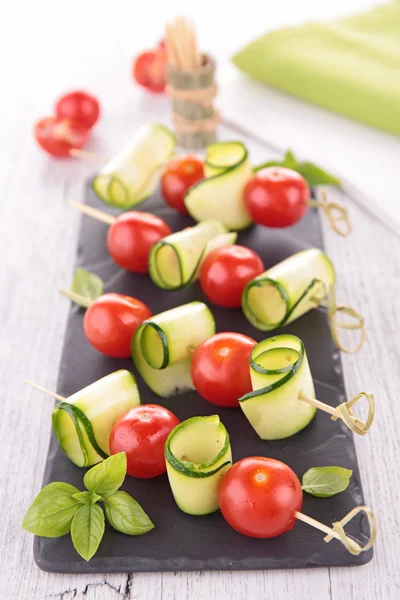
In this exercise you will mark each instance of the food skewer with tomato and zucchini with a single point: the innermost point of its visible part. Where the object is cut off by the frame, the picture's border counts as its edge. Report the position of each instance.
(273, 196)
(258, 496)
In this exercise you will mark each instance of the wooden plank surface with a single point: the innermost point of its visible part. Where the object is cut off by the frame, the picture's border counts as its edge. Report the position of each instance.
(38, 235)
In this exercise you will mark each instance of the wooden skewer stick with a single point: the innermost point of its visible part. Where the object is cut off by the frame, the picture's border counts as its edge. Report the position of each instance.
(87, 155)
(337, 531)
(77, 298)
(93, 212)
(329, 209)
(344, 412)
(42, 389)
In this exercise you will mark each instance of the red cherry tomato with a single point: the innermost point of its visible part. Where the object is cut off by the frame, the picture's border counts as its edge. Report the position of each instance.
(277, 197)
(220, 368)
(149, 69)
(259, 497)
(58, 136)
(180, 175)
(131, 237)
(79, 107)
(111, 321)
(141, 433)
(225, 273)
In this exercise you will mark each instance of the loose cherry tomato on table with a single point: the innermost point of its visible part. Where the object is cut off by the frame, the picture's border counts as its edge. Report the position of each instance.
(220, 368)
(277, 197)
(259, 497)
(110, 322)
(141, 433)
(131, 237)
(180, 175)
(225, 273)
(78, 107)
(58, 136)
(149, 69)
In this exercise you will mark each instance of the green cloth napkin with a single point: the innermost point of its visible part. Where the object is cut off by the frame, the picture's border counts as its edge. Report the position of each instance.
(350, 66)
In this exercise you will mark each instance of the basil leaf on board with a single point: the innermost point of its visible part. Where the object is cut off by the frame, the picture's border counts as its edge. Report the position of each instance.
(314, 175)
(107, 477)
(52, 511)
(126, 515)
(87, 529)
(87, 497)
(87, 285)
(323, 482)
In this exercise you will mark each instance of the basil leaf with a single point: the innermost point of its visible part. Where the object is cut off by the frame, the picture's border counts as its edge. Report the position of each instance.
(86, 284)
(108, 476)
(87, 529)
(323, 482)
(87, 497)
(290, 160)
(315, 175)
(126, 515)
(52, 511)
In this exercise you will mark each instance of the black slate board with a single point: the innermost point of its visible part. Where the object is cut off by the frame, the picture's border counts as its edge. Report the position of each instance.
(180, 542)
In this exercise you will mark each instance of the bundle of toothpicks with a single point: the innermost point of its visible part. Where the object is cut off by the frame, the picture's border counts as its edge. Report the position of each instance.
(191, 86)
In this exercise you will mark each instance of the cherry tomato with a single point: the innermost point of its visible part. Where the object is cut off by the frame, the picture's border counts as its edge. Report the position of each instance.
(277, 197)
(79, 107)
(111, 321)
(131, 237)
(149, 69)
(180, 175)
(225, 273)
(58, 136)
(141, 433)
(220, 368)
(259, 497)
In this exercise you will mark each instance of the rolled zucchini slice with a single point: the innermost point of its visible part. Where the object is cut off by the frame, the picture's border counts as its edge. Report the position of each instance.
(279, 371)
(174, 262)
(198, 454)
(162, 346)
(132, 175)
(220, 195)
(82, 422)
(289, 289)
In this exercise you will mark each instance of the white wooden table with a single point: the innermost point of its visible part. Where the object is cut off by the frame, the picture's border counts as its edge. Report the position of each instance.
(91, 46)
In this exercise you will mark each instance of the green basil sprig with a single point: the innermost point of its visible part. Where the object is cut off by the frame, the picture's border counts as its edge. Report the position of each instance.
(324, 482)
(60, 508)
(313, 174)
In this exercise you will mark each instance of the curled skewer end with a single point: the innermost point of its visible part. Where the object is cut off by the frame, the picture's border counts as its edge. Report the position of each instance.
(330, 208)
(344, 412)
(335, 326)
(337, 531)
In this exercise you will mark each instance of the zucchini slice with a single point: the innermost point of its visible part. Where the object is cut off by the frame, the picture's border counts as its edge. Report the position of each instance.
(82, 423)
(198, 454)
(174, 261)
(289, 289)
(279, 370)
(162, 346)
(220, 195)
(132, 175)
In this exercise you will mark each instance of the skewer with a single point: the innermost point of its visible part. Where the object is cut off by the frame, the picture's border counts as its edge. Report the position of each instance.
(329, 208)
(75, 153)
(337, 530)
(81, 300)
(42, 389)
(93, 212)
(344, 412)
